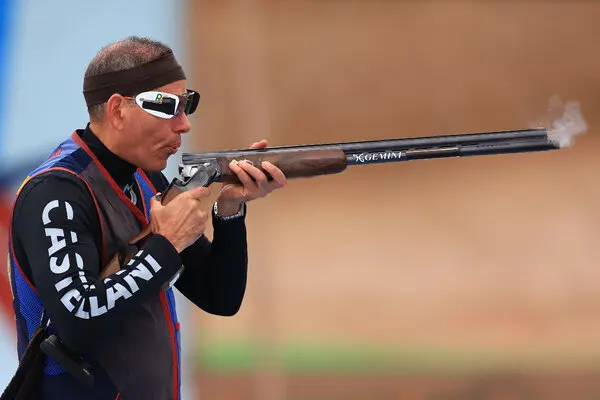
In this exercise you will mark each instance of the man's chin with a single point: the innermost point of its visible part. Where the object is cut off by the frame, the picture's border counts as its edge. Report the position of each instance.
(157, 166)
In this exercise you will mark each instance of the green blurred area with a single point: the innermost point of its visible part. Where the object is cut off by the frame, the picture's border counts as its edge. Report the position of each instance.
(321, 357)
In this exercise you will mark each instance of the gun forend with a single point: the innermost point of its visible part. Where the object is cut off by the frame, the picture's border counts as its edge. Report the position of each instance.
(294, 163)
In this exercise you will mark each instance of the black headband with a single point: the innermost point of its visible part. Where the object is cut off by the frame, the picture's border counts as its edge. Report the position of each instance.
(151, 75)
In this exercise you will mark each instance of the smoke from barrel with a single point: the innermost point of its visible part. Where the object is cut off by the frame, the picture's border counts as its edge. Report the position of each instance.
(564, 121)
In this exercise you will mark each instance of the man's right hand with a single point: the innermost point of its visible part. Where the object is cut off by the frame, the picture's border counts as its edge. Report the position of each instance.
(182, 220)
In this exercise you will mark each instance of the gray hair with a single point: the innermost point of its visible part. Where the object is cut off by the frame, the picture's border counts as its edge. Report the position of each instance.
(123, 54)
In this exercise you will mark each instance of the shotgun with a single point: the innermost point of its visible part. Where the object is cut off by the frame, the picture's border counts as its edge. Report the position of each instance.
(304, 161)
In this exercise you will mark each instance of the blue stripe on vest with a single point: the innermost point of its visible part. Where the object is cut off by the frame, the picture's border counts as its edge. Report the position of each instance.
(172, 310)
(67, 155)
(147, 192)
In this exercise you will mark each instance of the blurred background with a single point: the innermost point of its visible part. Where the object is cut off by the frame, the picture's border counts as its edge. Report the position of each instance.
(470, 278)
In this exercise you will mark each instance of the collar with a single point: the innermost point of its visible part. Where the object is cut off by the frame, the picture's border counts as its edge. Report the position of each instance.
(120, 170)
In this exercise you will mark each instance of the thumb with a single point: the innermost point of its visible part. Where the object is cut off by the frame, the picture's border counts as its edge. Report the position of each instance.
(155, 201)
(259, 145)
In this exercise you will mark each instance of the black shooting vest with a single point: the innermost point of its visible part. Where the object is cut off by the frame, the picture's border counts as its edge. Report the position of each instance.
(143, 360)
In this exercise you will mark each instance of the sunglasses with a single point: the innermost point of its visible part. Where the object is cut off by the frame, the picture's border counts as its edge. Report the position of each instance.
(168, 105)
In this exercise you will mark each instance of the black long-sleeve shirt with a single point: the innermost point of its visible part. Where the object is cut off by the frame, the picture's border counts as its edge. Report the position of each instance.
(45, 238)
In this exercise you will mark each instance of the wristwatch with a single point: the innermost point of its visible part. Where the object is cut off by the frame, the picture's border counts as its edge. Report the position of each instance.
(241, 212)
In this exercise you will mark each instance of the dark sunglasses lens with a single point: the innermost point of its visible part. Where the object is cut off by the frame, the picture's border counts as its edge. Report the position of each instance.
(191, 102)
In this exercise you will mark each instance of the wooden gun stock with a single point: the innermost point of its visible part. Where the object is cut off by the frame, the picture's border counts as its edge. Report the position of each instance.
(294, 164)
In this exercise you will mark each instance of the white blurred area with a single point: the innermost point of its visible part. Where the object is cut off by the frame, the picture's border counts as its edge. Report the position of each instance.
(49, 46)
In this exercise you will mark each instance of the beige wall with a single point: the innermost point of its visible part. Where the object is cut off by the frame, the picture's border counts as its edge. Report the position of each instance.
(484, 251)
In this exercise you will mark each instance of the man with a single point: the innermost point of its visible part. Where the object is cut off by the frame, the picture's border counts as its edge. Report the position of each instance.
(95, 192)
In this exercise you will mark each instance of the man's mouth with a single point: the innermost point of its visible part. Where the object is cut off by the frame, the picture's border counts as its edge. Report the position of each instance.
(174, 148)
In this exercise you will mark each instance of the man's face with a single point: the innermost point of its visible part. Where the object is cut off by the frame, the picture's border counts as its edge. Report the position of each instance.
(148, 141)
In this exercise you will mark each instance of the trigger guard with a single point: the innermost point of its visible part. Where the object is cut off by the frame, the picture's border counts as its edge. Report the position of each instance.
(202, 177)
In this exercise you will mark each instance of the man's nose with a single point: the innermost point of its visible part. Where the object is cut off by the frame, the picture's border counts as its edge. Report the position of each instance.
(182, 123)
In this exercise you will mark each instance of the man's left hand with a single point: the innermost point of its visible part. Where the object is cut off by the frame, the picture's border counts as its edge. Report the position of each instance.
(253, 183)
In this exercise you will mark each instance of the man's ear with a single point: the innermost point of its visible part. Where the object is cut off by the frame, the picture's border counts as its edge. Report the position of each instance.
(115, 111)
